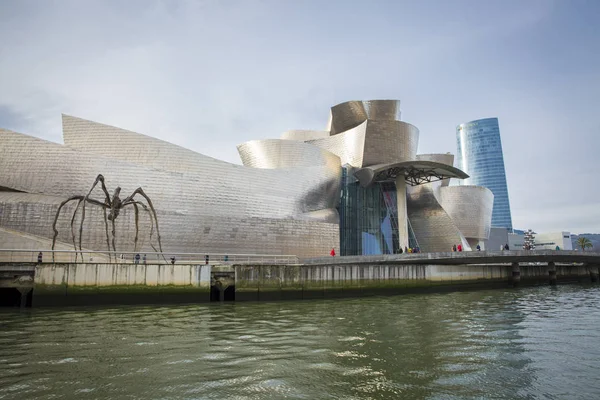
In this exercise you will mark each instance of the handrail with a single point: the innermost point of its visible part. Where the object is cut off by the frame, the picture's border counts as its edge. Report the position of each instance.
(128, 257)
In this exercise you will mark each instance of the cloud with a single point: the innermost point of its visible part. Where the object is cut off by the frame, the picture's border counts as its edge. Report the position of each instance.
(210, 75)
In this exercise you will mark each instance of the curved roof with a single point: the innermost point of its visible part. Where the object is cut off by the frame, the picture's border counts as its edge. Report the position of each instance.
(280, 153)
(415, 172)
(350, 114)
(444, 158)
(373, 142)
(303, 135)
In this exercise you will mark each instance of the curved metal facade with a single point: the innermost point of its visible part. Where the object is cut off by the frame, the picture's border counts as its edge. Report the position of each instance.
(207, 205)
(350, 114)
(304, 135)
(348, 146)
(447, 159)
(480, 155)
(470, 207)
(283, 200)
(434, 229)
(278, 153)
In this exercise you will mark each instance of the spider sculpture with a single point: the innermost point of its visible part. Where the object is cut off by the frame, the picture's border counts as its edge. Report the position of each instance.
(114, 206)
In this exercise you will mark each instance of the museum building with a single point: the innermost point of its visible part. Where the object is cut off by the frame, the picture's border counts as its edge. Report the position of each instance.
(359, 186)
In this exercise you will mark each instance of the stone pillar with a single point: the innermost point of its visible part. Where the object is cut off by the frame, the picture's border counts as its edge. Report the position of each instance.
(402, 213)
(24, 292)
(552, 273)
(593, 272)
(516, 274)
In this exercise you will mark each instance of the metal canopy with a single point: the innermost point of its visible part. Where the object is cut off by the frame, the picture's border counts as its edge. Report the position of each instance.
(415, 172)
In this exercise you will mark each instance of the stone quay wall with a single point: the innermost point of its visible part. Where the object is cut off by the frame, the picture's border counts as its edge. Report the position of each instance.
(255, 282)
(57, 284)
(98, 283)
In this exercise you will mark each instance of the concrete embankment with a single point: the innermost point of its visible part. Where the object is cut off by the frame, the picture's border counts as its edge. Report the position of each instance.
(323, 281)
(105, 283)
(61, 284)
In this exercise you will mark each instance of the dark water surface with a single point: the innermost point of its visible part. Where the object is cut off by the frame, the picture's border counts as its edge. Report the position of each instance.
(528, 343)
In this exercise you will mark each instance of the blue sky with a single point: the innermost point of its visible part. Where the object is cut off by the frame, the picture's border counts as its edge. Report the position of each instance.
(209, 75)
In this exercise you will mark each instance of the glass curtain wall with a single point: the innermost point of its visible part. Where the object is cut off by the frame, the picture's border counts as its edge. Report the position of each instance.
(368, 217)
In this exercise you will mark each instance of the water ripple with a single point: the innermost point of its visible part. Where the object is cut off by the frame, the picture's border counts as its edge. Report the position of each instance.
(530, 343)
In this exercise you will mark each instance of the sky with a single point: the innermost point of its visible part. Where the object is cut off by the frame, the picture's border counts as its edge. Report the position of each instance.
(209, 75)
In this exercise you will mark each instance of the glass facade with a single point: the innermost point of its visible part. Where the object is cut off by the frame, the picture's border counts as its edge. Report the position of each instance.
(479, 154)
(368, 218)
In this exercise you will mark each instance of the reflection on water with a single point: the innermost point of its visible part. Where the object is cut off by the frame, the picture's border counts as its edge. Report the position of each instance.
(526, 343)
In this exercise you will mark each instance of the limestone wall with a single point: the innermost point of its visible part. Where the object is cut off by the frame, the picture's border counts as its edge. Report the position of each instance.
(119, 283)
(262, 282)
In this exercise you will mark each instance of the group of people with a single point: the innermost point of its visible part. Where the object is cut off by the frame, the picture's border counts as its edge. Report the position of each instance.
(409, 250)
(457, 247)
(136, 259)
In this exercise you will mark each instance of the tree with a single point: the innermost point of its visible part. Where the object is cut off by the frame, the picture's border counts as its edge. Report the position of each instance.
(584, 243)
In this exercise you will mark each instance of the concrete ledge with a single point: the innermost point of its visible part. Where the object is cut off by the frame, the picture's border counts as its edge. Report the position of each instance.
(464, 257)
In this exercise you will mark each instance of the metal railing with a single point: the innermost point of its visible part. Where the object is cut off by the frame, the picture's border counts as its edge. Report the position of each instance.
(87, 256)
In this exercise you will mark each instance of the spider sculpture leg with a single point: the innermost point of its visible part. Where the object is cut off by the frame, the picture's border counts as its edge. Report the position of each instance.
(139, 203)
(100, 179)
(107, 239)
(137, 220)
(153, 220)
(141, 193)
(113, 235)
(80, 199)
(73, 230)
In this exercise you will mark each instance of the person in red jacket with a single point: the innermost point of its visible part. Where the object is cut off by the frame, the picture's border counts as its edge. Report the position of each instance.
(332, 252)
(459, 247)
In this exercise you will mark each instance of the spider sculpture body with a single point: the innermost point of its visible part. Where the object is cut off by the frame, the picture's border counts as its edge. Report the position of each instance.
(112, 207)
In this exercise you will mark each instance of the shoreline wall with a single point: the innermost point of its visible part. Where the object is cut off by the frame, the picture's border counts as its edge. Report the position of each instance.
(74, 284)
(323, 281)
(61, 284)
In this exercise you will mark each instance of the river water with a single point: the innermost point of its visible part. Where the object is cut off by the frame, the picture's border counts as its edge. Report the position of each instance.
(527, 343)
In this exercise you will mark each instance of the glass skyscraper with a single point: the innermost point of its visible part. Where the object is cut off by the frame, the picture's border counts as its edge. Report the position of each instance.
(479, 154)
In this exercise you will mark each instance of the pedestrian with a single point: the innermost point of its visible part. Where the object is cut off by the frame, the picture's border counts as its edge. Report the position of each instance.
(173, 260)
(557, 248)
(144, 259)
(406, 249)
(478, 247)
(506, 247)
(137, 258)
(454, 248)
(332, 252)
(459, 247)
(40, 257)
(400, 251)
(501, 247)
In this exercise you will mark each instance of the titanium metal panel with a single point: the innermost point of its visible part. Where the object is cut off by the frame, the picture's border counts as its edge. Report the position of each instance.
(131, 147)
(470, 207)
(434, 230)
(279, 153)
(350, 114)
(179, 232)
(389, 141)
(215, 206)
(348, 146)
(373, 142)
(441, 158)
(304, 135)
